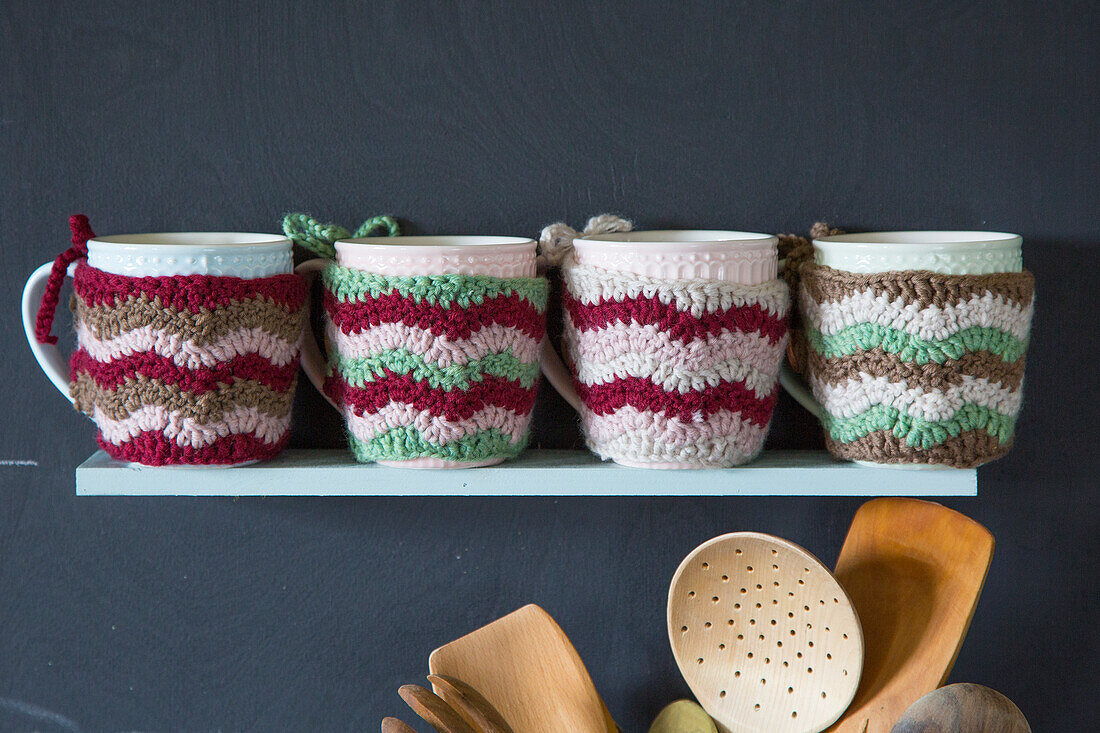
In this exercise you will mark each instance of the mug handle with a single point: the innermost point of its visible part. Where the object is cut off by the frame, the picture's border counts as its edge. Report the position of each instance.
(553, 368)
(48, 356)
(789, 379)
(797, 388)
(314, 363)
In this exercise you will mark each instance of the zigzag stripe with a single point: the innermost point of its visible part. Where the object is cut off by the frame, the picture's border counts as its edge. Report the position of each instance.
(965, 450)
(407, 443)
(681, 325)
(855, 396)
(358, 371)
(603, 399)
(187, 432)
(349, 285)
(932, 322)
(442, 350)
(671, 377)
(184, 352)
(436, 428)
(917, 432)
(150, 366)
(908, 347)
(190, 292)
(756, 350)
(202, 326)
(454, 404)
(594, 285)
(153, 449)
(659, 429)
(122, 400)
(644, 351)
(711, 453)
(455, 323)
(978, 364)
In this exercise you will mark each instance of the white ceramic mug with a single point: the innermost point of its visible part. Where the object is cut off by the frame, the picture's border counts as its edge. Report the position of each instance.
(159, 254)
(944, 252)
(411, 256)
(744, 258)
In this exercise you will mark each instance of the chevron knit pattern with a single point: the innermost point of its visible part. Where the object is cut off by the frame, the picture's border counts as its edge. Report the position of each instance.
(433, 366)
(916, 367)
(673, 371)
(194, 369)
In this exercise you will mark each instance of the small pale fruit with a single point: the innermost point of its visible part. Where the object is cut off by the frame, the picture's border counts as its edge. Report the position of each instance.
(683, 716)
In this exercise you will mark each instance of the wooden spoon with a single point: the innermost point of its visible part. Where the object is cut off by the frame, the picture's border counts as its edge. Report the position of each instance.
(914, 570)
(434, 710)
(683, 716)
(525, 667)
(962, 708)
(764, 635)
(470, 704)
(393, 725)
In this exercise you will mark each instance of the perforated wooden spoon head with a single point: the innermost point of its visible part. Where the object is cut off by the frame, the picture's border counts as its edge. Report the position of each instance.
(963, 708)
(915, 570)
(527, 669)
(764, 635)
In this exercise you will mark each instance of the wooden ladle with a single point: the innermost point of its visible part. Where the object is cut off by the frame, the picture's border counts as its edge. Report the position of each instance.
(525, 667)
(963, 708)
(914, 571)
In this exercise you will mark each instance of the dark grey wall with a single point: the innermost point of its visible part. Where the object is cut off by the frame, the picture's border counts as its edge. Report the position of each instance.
(477, 117)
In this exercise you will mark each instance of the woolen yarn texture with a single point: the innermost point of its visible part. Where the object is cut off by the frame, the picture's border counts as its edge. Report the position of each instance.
(188, 369)
(433, 366)
(673, 370)
(915, 366)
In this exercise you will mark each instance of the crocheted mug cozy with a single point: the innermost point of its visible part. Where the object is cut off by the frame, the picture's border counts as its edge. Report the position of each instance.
(188, 369)
(433, 366)
(184, 369)
(673, 371)
(916, 366)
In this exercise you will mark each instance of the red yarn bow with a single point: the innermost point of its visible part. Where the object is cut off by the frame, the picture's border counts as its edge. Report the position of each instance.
(82, 232)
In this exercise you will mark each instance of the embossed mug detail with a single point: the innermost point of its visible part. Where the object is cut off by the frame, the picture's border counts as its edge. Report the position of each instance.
(673, 341)
(914, 345)
(187, 343)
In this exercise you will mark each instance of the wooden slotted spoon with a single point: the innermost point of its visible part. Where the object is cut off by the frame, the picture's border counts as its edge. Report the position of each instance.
(764, 635)
(914, 570)
(527, 669)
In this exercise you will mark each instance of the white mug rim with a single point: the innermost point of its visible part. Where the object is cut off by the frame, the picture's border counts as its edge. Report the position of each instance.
(192, 240)
(437, 242)
(681, 239)
(919, 241)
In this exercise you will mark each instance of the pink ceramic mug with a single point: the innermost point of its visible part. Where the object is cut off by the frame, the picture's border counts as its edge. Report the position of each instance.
(674, 341)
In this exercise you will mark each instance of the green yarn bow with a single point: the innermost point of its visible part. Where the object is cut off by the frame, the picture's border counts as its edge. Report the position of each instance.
(319, 238)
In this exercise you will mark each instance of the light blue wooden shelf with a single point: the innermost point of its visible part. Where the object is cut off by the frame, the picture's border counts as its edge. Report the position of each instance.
(535, 473)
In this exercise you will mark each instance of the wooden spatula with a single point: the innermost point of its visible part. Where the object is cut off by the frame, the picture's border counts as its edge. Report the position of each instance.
(963, 708)
(527, 669)
(914, 571)
(764, 635)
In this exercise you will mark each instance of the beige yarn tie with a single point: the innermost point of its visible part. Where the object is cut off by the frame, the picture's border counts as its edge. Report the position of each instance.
(556, 240)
